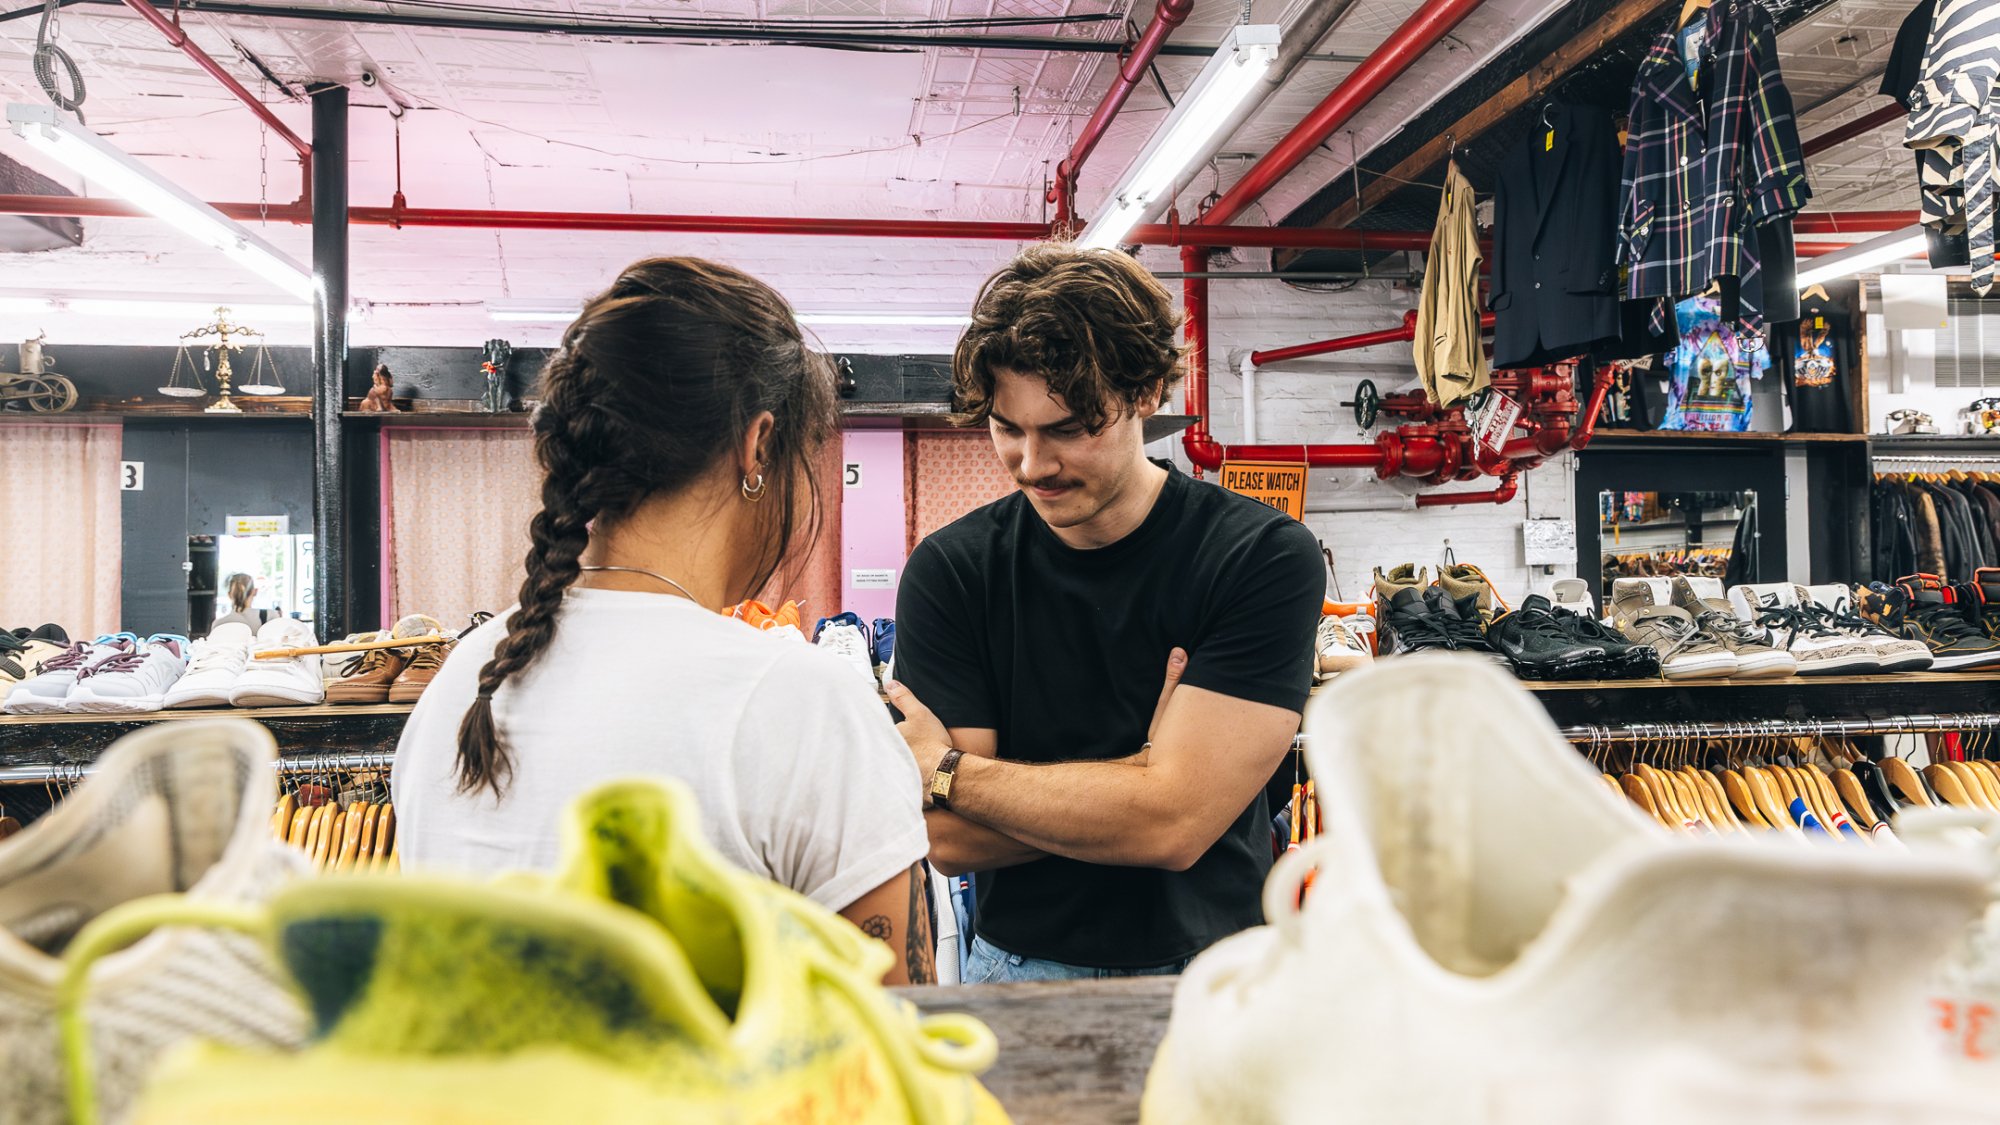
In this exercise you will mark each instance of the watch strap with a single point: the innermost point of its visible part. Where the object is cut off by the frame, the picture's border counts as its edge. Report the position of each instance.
(941, 778)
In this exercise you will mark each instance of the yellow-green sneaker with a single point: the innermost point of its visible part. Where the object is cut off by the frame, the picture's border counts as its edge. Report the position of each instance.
(646, 981)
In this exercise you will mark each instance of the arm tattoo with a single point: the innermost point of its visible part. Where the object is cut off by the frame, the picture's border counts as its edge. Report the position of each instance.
(919, 950)
(877, 926)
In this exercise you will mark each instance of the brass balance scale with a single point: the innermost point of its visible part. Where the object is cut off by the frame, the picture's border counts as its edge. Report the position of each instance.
(219, 339)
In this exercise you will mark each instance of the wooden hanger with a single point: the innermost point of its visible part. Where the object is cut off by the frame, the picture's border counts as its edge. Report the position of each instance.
(1855, 797)
(1638, 794)
(1689, 9)
(1905, 781)
(1947, 786)
(1742, 799)
(1977, 788)
(1815, 290)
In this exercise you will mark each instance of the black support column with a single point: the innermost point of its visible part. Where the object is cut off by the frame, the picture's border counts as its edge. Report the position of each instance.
(329, 240)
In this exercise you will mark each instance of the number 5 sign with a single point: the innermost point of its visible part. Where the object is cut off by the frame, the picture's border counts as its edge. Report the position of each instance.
(851, 477)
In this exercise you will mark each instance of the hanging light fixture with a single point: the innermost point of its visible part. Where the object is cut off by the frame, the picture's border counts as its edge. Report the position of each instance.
(1189, 135)
(1862, 256)
(62, 137)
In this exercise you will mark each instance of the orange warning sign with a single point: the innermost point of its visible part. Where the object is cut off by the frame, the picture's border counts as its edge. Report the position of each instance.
(1281, 484)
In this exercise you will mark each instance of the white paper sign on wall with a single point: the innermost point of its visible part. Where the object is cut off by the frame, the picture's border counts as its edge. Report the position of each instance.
(851, 477)
(131, 476)
(884, 579)
(1549, 542)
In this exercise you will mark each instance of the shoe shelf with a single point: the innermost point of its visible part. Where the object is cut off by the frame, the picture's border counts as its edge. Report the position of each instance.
(1622, 702)
(51, 740)
(1071, 1052)
(1700, 437)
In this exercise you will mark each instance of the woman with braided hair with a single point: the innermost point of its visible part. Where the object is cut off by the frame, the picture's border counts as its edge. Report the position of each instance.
(678, 424)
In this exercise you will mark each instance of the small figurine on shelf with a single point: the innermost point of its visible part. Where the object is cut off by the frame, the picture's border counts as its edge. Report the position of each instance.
(495, 368)
(379, 391)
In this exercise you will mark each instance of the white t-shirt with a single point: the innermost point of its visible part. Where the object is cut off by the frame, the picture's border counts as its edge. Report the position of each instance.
(801, 777)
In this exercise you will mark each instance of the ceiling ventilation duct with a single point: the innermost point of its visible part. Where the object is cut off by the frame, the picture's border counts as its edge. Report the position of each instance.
(26, 233)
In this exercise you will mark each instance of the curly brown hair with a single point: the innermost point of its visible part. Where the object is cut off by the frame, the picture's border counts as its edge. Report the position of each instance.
(654, 385)
(1101, 330)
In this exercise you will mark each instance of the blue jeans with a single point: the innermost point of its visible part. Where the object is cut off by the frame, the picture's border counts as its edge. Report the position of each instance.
(990, 964)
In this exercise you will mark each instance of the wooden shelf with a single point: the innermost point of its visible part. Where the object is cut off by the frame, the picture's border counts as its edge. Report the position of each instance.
(1701, 437)
(86, 417)
(447, 419)
(35, 740)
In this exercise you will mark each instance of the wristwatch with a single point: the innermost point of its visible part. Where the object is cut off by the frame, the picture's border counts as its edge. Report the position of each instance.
(943, 776)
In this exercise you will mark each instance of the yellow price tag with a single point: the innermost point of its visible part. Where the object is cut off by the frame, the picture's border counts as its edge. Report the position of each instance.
(1549, 141)
(1819, 322)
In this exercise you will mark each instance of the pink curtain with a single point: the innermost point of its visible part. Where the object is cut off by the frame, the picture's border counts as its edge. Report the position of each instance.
(814, 576)
(459, 504)
(946, 475)
(60, 514)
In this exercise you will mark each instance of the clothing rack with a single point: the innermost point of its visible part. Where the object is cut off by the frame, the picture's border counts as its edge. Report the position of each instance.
(1928, 459)
(71, 773)
(1783, 728)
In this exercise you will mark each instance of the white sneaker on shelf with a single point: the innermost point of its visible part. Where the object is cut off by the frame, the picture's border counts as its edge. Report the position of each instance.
(1834, 604)
(213, 667)
(47, 692)
(846, 642)
(1494, 939)
(1339, 645)
(1796, 625)
(291, 682)
(131, 683)
(1572, 594)
(180, 806)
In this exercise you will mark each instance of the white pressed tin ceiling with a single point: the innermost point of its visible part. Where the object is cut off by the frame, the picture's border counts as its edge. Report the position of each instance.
(586, 123)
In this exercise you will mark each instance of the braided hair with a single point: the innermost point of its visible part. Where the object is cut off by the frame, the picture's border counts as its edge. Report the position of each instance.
(654, 386)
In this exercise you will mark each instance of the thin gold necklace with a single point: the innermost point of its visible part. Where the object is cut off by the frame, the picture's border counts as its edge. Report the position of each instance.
(649, 574)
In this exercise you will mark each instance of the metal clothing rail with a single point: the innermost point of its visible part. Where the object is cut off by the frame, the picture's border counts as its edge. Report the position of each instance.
(1784, 728)
(71, 773)
(1922, 459)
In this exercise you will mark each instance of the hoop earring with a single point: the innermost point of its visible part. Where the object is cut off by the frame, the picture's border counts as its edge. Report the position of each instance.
(753, 492)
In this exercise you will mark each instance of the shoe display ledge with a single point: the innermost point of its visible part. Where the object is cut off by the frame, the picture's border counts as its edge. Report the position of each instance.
(77, 740)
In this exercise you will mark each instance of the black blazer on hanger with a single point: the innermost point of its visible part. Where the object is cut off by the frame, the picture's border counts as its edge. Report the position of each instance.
(1555, 225)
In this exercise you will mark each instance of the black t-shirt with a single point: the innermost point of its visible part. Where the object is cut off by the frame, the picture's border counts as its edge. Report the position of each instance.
(1063, 652)
(1817, 356)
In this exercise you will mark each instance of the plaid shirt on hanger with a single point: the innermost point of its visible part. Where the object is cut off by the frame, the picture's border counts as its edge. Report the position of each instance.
(1704, 162)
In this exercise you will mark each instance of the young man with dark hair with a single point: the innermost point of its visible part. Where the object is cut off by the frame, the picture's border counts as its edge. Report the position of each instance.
(1120, 828)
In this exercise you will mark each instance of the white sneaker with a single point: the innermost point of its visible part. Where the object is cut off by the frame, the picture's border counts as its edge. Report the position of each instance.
(213, 667)
(175, 807)
(1338, 646)
(846, 642)
(131, 683)
(1494, 939)
(1572, 594)
(1783, 608)
(46, 692)
(291, 682)
(1834, 604)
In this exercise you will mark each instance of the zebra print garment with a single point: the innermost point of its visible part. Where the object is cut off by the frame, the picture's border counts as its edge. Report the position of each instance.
(1955, 121)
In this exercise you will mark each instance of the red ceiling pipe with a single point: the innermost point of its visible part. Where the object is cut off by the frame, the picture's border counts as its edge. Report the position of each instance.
(172, 30)
(1844, 222)
(1860, 126)
(1202, 448)
(1384, 65)
(1168, 16)
(1348, 343)
(1509, 484)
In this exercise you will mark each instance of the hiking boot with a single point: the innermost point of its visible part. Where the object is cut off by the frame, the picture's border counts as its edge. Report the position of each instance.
(1833, 603)
(1795, 623)
(1642, 610)
(1338, 647)
(1539, 648)
(423, 662)
(1408, 576)
(365, 677)
(1922, 608)
(1758, 656)
(1464, 581)
(1624, 659)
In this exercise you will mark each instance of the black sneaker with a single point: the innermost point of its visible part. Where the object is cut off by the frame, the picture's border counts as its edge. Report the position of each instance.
(1539, 648)
(1460, 620)
(1987, 581)
(1623, 658)
(1922, 607)
(1426, 620)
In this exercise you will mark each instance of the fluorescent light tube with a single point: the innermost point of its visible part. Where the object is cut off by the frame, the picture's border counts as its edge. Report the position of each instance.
(63, 138)
(1862, 256)
(1189, 135)
(532, 312)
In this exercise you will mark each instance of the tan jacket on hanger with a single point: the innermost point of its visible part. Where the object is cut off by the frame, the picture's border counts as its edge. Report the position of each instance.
(1449, 357)
(1930, 537)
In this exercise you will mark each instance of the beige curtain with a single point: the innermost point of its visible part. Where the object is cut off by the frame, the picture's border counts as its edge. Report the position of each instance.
(60, 518)
(459, 506)
(946, 475)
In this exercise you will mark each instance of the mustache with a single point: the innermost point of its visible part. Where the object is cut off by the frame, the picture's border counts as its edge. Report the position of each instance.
(1050, 483)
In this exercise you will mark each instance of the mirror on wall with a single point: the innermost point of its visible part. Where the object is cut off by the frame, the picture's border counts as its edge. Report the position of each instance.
(1663, 534)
